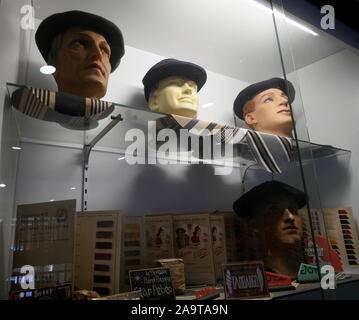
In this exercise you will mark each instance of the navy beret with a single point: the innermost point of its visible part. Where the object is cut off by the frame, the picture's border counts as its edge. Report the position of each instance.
(251, 91)
(50, 27)
(172, 68)
(245, 205)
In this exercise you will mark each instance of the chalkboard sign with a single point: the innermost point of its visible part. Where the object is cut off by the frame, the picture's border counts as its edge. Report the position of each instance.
(155, 283)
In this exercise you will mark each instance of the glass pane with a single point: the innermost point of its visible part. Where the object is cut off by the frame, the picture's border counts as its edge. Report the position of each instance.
(238, 43)
(318, 64)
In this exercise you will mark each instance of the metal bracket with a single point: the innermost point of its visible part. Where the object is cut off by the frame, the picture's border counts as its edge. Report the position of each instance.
(88, 147)
(86, 156)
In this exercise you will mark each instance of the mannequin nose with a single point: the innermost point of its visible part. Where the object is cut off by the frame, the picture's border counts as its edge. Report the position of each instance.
(289, 215)
(283, 101)
(187, 88)
(95, 52)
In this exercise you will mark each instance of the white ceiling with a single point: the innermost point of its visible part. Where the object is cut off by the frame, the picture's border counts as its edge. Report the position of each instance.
(231, 37)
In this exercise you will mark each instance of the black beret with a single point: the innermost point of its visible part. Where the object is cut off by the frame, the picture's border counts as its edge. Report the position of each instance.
(251, 91)
(245, 205)
(172, 68)
(60, 22)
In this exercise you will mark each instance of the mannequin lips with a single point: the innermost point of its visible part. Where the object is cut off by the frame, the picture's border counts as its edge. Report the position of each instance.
(290, 228)
(186, 99)
(284, 111)
(96, 66)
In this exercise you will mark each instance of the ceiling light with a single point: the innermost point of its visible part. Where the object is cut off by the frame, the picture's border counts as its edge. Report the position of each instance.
(73, 188)
(300, 26)
(280, 14)
(47, 69)
(121, 158)
(2, 185)
(52, 200)
(16, 148)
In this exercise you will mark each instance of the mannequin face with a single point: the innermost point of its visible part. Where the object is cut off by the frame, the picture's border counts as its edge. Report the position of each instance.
(83, 63)
(175, 95)
(271, 113)
(281, 223)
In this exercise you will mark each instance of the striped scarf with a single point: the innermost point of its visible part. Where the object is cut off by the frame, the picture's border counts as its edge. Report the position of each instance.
(271, 152)
(72, 111)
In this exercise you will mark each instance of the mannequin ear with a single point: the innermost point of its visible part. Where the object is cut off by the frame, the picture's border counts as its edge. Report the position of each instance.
(152, 101)
(250, 119)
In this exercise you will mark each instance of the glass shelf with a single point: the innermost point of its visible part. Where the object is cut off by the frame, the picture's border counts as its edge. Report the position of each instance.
(141, 122)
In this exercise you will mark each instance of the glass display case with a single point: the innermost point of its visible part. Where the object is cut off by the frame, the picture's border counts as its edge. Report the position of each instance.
(127, 162)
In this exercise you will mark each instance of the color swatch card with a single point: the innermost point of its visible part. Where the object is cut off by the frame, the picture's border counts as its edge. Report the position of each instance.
(341, 222)
(320, 246)
(98, 251)
(133, 246)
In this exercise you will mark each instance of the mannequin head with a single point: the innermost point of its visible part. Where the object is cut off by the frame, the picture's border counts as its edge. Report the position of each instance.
(84, 48)
(269, 112)
(271, 210)
(82, 63)
(264, 106)
(175, 95)
(172, 86)
(279, 222)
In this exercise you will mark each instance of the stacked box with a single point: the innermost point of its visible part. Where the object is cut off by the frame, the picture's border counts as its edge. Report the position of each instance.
(159, 238)
(132, 256)
(193, 243)
(44, 240)
(98, 251)
(218, 233)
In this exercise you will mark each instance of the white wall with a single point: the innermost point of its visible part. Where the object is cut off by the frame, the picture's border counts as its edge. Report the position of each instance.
(330, 93)
(125, 84)
(12, 54)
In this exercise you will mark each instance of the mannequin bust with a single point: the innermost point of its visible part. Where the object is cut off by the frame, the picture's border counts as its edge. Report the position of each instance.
(271, 210)
(175, 95)
(279, 226)
(84, 48)
(171, 86)
(83, 63)
(264, 106)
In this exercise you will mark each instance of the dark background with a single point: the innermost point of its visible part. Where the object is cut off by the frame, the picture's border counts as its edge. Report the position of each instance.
(346, 16)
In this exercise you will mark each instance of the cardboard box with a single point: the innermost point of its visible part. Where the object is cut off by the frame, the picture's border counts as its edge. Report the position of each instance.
(98, 251)
(44, 240)
(193, 244)
(159, 238)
